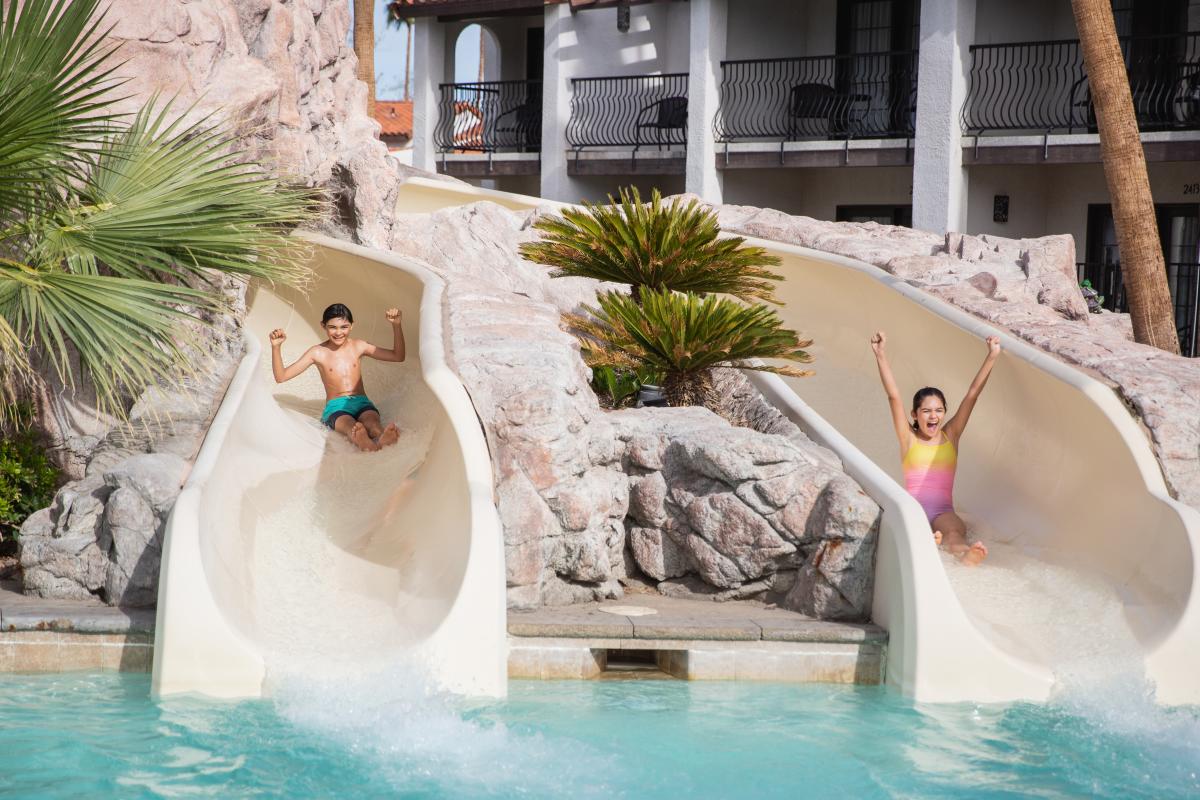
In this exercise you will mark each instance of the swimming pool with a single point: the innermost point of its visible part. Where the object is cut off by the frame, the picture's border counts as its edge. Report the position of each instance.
(101, 736)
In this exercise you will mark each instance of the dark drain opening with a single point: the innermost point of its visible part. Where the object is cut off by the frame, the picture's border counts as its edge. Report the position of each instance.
(631, 660)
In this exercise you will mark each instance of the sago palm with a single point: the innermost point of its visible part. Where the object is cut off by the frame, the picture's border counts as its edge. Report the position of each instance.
(110, 226)
(683, 337)
(653, 245)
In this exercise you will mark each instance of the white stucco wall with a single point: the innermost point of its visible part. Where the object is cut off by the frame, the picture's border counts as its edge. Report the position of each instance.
(940, 195)
(1046, 199)
(817, 192)
(656, 42)
(1002, 21)
(771, 29)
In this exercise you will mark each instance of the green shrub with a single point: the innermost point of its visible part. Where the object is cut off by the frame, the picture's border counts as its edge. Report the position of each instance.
(653, 245)
(683, 337)
(28, 479)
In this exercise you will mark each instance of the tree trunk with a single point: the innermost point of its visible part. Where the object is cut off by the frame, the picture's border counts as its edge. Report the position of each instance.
(689, 389)
(364, 48)
(408, 59)
(482, 55)
(1142, 267)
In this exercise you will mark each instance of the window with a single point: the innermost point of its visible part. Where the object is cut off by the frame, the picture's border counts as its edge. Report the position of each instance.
(1179, 231)
(884, 215)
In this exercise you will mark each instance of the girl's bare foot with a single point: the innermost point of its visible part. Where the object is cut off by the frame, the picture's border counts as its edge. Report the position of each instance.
(390, 435)
(973, 555)
(937, 538)
(362, 440)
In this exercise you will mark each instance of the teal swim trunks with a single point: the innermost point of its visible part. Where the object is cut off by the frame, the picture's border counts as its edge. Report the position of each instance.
(354, 405)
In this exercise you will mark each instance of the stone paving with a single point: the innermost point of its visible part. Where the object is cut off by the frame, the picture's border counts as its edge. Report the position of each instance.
(692, 640)
(677, 618)
(20, 612)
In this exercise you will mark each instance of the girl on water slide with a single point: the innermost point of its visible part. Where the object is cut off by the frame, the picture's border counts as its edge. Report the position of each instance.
(929, 449)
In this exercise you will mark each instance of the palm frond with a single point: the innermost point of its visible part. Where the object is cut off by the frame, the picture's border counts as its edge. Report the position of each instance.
(125, 333)
(656, 245)
(676, 334)
(55, 95)
(169, 198)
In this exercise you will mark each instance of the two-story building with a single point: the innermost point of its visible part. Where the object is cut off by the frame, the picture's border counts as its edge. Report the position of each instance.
(968, 115)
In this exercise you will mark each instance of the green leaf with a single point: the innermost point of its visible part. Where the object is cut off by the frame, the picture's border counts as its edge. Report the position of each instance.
(55, 77)
(655, 245)
(674, 334)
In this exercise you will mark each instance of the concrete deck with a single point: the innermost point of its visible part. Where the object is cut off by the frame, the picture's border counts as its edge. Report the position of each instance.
(642, 636)
(693, 640)
(38, 635)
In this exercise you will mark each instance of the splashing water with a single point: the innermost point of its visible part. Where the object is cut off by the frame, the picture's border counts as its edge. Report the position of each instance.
(1076, 624)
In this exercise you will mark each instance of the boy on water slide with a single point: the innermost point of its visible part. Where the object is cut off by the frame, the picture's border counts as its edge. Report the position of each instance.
(347, 409)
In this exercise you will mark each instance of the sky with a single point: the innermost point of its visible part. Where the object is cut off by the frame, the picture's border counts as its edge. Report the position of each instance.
(389, 54)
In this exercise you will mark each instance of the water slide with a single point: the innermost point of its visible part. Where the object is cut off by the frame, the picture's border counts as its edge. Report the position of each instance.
(1093, 565)
(290, 552)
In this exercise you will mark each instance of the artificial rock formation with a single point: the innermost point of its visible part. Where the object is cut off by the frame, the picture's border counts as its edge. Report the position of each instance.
(591, 499)
(280, 73)
(1027, 287)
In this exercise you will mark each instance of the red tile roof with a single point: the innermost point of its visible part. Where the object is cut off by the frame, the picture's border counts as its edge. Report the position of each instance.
(395, 117)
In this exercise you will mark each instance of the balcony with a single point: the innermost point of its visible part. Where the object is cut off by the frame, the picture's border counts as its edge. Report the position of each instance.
(835, 98)
(477, 121)
(1042, 88)
(625, 115)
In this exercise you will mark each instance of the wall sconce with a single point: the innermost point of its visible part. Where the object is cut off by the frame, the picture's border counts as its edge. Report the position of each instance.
(623, 16)
(1000, 208)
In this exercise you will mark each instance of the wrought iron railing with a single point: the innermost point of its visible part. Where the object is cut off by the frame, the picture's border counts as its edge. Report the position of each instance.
(1183, 280)
(1043, 87)
(632, 111)
(867, 95)
(490, 116)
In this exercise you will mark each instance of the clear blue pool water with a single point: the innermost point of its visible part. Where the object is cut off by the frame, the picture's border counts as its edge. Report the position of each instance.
(101, 736)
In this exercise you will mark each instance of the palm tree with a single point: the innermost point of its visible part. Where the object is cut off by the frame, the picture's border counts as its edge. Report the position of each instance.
(652, 246)
(1142, 267)
(396, 19)
(683, 337)
(111, 227)
(364, 48)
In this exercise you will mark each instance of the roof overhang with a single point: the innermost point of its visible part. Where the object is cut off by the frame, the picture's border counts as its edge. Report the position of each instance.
(449, 10)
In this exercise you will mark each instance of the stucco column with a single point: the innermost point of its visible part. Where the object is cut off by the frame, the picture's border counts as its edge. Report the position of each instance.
(556, 104)
(429, 57)
(939, 179)
(706, 35)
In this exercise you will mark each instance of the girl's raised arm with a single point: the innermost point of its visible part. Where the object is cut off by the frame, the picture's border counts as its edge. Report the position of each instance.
(958, 423)
(899, 420)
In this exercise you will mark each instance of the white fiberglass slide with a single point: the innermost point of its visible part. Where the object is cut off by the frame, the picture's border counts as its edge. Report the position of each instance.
(1093, 566)
(291, 552)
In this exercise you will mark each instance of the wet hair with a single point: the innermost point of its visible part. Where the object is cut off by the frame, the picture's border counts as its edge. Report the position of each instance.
(334, 311)
(928, 391)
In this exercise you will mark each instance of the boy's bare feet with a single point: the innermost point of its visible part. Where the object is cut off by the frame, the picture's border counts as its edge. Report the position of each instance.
(390, 435)
(362, 440)
(973, 555)
(937, 538)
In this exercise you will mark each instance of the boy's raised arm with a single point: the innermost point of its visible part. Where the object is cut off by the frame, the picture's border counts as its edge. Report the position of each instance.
(397, 351)
(280, 372)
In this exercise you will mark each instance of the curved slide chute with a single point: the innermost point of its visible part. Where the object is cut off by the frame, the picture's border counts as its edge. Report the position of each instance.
(1055, 474)
(288, 550)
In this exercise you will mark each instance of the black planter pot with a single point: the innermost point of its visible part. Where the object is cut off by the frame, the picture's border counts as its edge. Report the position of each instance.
(650, 395)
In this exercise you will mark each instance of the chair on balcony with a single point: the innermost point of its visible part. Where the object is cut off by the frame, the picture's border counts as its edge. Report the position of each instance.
(840, 113)
(662, 116)
(1168, 103)
(523, 126)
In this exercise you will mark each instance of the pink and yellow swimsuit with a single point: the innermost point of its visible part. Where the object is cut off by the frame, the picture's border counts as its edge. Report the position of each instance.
(929, 474)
